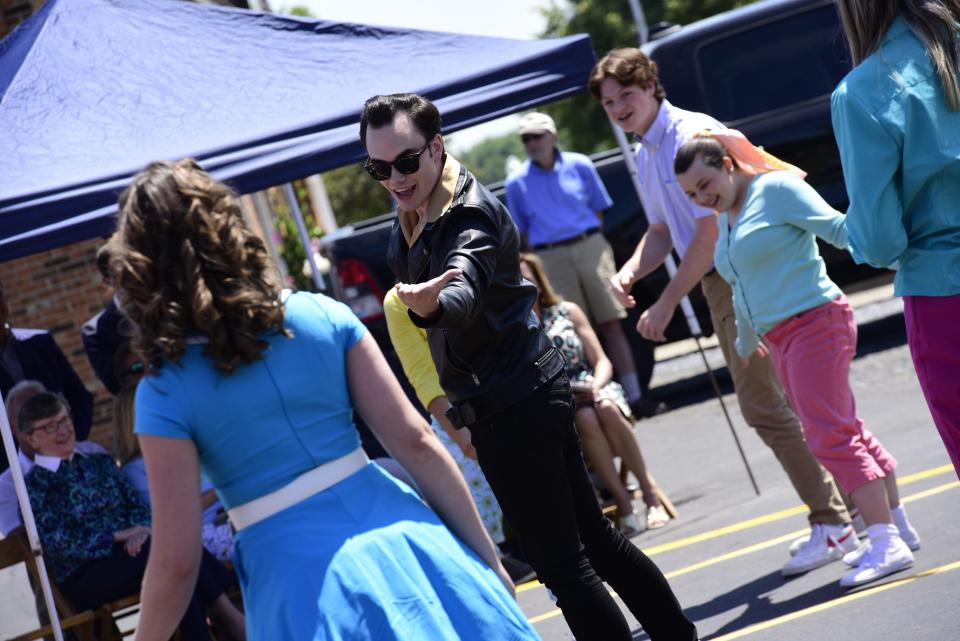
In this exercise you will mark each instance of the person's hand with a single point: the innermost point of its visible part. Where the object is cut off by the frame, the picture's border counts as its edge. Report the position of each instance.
(762, 351)
(132, 538)
(587, 395)
(424, 298)
(462, 438)
(654, 320)
(620, 285)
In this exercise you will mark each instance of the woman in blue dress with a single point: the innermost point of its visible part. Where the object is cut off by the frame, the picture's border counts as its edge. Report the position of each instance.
(257, 387)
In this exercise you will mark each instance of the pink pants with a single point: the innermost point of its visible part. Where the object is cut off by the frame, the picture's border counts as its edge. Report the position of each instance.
(811, 353)
(933, 332)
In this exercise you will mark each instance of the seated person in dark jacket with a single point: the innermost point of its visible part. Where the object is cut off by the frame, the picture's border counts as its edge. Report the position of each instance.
(94, 528)
(32, 354)
(103, 334)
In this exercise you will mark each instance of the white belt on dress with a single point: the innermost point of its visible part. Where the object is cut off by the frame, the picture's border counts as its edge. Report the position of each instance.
(303, 487)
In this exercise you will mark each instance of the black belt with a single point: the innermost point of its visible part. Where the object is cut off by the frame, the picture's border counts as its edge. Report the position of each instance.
(543, 370)
(567, 241)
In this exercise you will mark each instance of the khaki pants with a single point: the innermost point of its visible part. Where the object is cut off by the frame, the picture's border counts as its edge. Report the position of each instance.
(581, 273)
(765, 408)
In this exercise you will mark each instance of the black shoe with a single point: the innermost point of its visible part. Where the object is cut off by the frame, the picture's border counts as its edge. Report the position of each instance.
(519, 571)
(647, 407)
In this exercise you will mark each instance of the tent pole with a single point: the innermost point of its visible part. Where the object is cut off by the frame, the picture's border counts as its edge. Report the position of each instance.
(692, 322)
(29, 522)
(304, 236)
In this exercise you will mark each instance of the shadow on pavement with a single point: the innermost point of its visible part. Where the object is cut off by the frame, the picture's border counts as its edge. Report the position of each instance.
(756, 596)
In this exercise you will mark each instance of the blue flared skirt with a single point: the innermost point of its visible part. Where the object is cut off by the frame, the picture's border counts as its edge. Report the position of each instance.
(367, 560)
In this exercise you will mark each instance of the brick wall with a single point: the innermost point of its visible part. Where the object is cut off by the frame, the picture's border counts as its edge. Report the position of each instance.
(58, 290)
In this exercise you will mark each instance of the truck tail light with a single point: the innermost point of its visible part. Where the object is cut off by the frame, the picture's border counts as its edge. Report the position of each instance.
(360, 290)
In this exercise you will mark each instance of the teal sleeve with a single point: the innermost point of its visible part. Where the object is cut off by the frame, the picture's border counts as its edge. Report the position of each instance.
(803, 207)
(747, 337)
(346, 326)
(871, 170)
(162, 405)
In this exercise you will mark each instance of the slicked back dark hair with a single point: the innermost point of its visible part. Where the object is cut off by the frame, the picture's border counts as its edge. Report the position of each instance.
(379, 111)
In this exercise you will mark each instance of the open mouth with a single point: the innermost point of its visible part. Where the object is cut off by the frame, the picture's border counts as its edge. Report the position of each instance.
(404, 195)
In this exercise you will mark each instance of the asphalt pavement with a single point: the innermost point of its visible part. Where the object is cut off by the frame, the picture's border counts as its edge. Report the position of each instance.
(723, 555)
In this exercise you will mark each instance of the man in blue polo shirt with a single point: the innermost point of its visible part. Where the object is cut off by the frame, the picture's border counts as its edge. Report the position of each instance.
(557, 200)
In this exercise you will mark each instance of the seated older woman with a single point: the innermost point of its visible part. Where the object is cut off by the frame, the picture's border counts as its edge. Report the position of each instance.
(602, 410)
(94, 529)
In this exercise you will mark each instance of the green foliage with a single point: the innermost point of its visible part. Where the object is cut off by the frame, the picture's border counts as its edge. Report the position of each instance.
(581, 122)
(353, 195)
(488, 158)
(291, 249)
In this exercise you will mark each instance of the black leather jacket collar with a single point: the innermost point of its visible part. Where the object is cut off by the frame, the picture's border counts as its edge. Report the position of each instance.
(486, 334)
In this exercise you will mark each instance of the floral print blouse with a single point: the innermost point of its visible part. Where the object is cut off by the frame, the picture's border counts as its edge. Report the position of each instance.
(79, 507)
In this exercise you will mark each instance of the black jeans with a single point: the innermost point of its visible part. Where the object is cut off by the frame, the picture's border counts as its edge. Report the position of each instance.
(531, 457)
(120, 575)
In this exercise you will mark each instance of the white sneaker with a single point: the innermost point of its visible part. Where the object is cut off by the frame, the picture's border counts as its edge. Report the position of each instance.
(909, 536)
(859, 526)
(885, 556)
(827, 543)
(853, 558)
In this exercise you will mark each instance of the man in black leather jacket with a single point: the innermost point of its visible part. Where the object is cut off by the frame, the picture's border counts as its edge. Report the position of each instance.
(454, 249)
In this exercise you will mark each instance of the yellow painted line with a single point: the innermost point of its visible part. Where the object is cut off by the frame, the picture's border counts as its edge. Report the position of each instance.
(750, 548)
(775, 516)
(786, 618)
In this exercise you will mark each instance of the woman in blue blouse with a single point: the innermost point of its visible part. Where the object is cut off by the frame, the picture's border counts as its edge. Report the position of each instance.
(258, 386)
(94, 529)
(897, 121)
(767, 251)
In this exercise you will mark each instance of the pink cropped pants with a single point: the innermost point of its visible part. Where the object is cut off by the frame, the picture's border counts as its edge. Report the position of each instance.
(811, 354)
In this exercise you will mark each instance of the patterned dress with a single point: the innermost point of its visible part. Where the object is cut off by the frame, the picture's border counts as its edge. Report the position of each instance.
(480, 491)
(559, 327)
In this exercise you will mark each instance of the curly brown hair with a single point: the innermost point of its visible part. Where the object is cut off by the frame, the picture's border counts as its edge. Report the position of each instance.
(630, 67)
(185, 263)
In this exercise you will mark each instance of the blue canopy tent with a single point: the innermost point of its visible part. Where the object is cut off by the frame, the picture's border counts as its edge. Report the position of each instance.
(93, 90)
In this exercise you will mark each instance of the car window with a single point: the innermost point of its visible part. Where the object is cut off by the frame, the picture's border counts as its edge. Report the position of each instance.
(774, 65)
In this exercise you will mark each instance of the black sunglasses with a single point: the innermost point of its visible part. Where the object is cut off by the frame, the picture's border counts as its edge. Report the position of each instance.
(525, 138)
(405, 164)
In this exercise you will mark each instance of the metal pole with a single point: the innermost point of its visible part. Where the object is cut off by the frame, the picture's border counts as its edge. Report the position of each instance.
(692, 322)
(304, 236)
(29, 523)
(643, 32)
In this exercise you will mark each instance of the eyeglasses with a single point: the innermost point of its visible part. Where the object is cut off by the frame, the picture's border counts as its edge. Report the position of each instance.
(525, 138)
(54, 426)
(405, 164)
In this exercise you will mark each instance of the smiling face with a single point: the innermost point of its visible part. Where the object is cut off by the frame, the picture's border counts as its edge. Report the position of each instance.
(53, 436)
(399, 138)
(711, 187)
(632, 107)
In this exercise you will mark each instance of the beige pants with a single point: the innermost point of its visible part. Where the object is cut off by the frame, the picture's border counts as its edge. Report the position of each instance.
(765, 408)
(581, 273)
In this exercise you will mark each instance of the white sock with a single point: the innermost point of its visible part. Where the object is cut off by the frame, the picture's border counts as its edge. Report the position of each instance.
(879, 531)
(900, 518)
(631, 385)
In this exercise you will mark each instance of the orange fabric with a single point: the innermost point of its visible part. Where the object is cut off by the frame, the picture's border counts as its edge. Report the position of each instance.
(751, 159)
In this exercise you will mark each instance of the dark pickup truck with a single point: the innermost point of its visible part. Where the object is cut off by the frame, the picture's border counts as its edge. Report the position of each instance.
(767, 69)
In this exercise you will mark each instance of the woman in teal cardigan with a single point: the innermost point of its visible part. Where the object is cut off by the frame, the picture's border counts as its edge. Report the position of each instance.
(897, 121)
(769, 220)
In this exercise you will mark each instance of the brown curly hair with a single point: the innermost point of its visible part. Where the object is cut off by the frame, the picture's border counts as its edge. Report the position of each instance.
(630, 67)
(185, 263)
